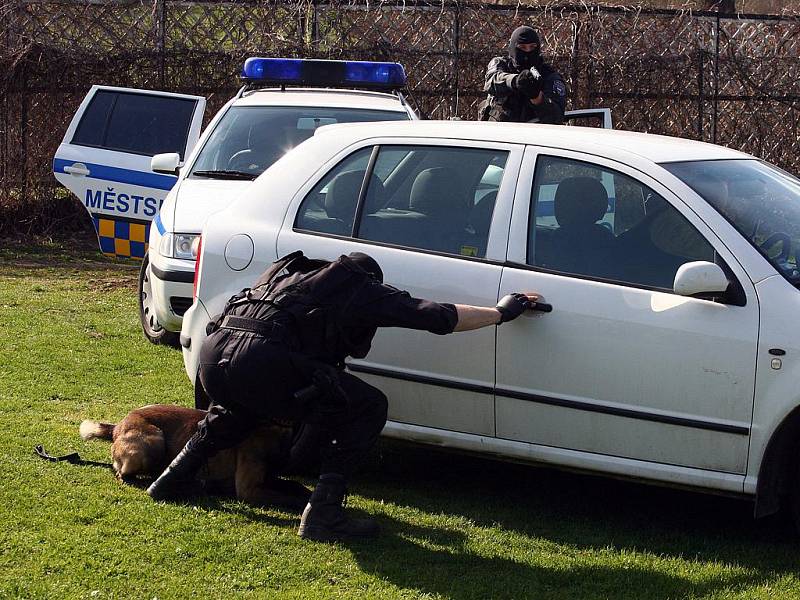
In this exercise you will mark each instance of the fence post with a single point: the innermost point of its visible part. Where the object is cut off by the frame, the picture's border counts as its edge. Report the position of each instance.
(575, 63)
(589, 62)
(315, 25)
(701, 56)
(23, 130)
(717, 36)
(309, 29)
(160, 40)
(456, 55)
(4, 116)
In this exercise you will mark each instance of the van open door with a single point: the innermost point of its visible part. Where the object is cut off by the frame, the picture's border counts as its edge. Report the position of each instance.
(104, 159)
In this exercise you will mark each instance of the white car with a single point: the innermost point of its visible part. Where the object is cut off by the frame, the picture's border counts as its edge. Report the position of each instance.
(672, 352)
(123, 157)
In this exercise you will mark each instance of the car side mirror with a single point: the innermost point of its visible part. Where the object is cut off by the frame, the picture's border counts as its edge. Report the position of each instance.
(166, 163)
(700, 278)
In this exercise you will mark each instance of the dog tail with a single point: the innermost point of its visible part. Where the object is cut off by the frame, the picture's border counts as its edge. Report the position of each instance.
(93, 430)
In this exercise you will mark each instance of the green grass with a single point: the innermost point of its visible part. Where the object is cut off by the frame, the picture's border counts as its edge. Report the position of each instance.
(455, 526)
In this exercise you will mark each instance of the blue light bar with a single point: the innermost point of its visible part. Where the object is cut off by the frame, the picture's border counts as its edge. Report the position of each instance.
(325, 73)
(375, 72)
(280, 69)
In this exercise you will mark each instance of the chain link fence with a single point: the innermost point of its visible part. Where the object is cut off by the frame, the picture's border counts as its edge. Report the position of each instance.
(732, 80)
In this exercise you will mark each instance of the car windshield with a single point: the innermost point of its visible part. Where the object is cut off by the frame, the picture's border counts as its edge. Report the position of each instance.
(760, 200)
(248, 139)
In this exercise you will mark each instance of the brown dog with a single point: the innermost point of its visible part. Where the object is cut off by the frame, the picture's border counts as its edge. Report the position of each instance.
(148, 438)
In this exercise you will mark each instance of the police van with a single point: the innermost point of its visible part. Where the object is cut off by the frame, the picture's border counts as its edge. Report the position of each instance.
(137, 161)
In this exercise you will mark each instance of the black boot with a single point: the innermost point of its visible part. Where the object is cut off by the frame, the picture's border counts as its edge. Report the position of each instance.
(177, 481)
(324, 519)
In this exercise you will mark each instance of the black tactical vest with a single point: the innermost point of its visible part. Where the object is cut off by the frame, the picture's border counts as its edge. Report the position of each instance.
(310, 300)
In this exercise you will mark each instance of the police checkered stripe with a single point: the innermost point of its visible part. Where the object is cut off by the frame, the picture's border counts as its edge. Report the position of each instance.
(122, 238)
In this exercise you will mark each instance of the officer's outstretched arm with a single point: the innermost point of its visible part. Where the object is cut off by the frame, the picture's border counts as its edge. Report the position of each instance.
(509, 308)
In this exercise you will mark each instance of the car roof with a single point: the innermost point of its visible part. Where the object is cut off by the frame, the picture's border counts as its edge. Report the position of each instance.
(656, 148)
(322, 97)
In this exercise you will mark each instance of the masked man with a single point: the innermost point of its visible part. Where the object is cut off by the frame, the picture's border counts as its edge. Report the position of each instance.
(521, 87)
(277, 353)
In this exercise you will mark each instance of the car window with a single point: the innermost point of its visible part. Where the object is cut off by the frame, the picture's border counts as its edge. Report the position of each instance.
(433, 198)
(331, 206)
(592, 221)
(137, 123)
(759, 199)
(249, 139)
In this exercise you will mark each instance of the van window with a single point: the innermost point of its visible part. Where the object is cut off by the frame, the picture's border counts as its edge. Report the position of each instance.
(136, 123)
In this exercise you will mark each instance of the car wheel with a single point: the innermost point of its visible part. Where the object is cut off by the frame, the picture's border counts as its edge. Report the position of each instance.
(151, 328)
(791, 506)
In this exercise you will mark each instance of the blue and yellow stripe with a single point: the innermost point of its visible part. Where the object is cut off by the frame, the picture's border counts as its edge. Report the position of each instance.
(121, 237)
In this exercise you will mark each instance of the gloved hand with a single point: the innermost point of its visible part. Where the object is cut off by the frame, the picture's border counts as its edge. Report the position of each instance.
(528, 83)
(511, 306)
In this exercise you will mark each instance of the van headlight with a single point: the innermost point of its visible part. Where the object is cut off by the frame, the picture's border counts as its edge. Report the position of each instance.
(179, 245)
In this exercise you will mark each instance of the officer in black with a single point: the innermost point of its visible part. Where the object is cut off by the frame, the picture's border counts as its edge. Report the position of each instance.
(521, 87)
(277, 353)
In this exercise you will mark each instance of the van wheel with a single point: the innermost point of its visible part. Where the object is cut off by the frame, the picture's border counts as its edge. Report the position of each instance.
(151, 328)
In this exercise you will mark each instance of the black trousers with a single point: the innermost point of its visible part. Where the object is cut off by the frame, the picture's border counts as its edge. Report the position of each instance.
(249, 379)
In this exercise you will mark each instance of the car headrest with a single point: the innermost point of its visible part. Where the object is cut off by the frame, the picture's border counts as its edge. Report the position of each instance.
(580, 201)
(342, 195)
(436, 193)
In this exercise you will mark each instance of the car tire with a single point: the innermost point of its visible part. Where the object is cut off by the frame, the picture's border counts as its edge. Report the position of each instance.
(151, 328)
(790, 507)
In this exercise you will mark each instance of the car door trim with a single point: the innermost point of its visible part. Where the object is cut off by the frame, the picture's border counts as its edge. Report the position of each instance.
(437, 381)
(119, 175)
(551, 401)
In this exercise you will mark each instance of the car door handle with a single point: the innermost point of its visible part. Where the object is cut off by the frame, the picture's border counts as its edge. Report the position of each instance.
(77, 169)
(541, 306)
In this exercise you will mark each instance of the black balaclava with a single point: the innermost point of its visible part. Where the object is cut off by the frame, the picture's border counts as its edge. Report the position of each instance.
(367, 263)
(524, 60)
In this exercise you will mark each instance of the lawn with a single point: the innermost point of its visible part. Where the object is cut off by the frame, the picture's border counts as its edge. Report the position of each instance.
(454, 526)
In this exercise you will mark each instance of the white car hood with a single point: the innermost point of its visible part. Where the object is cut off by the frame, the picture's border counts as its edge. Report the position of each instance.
(197, 199)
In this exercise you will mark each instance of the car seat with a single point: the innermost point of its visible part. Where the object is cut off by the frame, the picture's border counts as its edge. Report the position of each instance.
(579, 244)
(480, 219)
(437, 194)
(341, 199)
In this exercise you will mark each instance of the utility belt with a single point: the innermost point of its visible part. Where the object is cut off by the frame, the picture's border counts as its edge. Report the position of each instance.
(273, 330)
(324, 391)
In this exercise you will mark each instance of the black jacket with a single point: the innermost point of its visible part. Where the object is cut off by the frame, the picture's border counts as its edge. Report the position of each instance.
(505, 103)
(332, 309)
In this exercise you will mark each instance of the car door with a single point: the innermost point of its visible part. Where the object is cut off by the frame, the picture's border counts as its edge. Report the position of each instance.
(104, 159)
(596, 116)
(622, 366)
(426, 216)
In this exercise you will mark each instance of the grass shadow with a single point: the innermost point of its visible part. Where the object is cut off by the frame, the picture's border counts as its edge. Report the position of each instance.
(443, 562)
(582, 511)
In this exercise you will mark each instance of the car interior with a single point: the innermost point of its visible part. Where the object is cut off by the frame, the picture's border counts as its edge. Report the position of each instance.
(442, 199)
(634, 237)
(434, 198)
